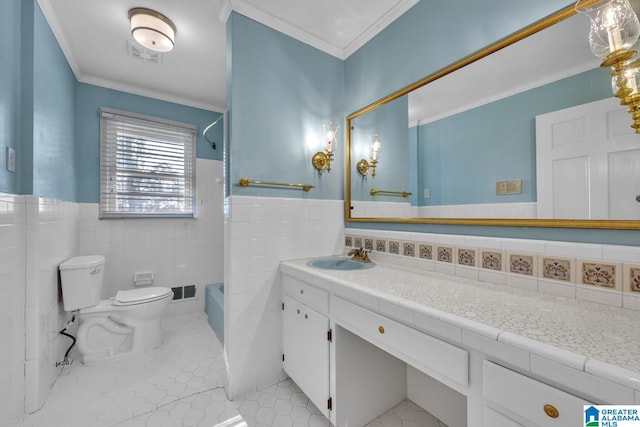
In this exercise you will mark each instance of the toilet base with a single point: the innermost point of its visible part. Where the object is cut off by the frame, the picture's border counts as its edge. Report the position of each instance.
(102, 339)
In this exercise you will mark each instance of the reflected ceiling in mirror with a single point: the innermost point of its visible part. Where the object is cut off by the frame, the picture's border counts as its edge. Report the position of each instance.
(549, 59)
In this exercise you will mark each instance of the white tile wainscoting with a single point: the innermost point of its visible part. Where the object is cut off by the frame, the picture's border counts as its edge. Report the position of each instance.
(259, 233)
(37, 234)
(607, 274)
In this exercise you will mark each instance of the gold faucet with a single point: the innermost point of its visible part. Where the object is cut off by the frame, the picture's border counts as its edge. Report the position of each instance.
(359, 254)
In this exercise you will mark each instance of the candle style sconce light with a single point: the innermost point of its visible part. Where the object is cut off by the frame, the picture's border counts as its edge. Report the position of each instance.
(322, 159)
(363, 165)
(615, 28)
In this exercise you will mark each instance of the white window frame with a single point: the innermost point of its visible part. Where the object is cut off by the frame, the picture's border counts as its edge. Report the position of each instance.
(129, 166)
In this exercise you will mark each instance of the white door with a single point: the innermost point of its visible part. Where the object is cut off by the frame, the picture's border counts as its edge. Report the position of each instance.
(306, 351)
(588, 163)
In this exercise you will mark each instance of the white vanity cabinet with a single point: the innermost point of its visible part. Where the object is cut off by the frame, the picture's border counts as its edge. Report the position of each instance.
(532, 401)
(389, 344)
(305, 341)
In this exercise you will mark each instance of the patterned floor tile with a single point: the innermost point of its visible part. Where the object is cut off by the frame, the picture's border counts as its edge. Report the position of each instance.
(180, 384)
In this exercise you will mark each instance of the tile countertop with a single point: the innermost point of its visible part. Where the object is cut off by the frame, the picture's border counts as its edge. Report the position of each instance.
(590, 337)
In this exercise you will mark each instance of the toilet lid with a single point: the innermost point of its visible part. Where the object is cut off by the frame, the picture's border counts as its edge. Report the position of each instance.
(141, 295)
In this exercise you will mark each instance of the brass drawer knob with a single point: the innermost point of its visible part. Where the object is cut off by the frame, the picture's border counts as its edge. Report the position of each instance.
(381, 329)
(551, 411)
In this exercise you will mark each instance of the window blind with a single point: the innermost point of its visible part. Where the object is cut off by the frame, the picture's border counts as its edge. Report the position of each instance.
(147, 166)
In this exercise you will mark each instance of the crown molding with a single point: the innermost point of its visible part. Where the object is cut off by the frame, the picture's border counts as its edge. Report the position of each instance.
(397, 11)
(135, 90)
(52, 19)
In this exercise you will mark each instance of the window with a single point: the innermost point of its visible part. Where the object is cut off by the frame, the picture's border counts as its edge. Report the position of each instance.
(147, 166)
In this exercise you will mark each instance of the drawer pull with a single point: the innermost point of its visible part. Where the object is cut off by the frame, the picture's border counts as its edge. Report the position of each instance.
(381, 329)
(302, 291)
(298, 311)
(551, 411)
(306, 316)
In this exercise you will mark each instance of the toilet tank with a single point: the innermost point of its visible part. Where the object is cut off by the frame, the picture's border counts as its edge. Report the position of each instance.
(82, 278)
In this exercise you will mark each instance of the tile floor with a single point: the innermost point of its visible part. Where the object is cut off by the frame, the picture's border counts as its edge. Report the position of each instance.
(181, 384)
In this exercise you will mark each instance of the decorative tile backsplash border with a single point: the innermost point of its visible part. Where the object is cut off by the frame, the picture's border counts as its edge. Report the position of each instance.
(565, 269)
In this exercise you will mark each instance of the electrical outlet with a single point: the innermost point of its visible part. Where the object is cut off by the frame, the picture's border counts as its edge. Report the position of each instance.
(513, 186)
(427, 193)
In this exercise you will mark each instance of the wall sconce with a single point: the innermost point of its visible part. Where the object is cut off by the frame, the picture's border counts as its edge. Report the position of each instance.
(322, 160)
(615, 28)
(152, 30)
(363, 165)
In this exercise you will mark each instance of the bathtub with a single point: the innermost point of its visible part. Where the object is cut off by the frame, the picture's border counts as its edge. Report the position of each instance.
(214, 307)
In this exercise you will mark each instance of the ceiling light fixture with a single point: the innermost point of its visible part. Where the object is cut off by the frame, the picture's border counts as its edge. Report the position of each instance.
(152, 30)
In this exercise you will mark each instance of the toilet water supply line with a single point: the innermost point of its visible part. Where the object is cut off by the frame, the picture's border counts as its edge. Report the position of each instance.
(66, 360)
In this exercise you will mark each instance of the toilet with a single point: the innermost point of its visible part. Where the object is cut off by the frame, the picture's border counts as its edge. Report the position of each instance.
(126, 324)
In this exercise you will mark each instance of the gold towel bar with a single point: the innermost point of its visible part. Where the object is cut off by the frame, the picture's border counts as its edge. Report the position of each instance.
(404, 194)
(244, 182)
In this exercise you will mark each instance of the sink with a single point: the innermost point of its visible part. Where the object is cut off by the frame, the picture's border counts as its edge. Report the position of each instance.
(339, 263)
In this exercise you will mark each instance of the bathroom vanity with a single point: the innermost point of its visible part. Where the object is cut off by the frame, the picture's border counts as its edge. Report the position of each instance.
(470, 353)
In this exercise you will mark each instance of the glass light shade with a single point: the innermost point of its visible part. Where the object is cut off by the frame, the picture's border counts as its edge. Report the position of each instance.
(330, 138)
(375, 147)
(152, 29)
(630, 75)
(614, 25)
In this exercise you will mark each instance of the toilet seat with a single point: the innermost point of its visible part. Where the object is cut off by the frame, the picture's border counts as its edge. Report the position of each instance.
(141, 296)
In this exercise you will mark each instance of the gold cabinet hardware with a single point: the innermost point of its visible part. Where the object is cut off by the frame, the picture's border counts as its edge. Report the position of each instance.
(551, 411)
(381, 329)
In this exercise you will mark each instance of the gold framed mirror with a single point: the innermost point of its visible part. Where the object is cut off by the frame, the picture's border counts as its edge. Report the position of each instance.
(371, 199)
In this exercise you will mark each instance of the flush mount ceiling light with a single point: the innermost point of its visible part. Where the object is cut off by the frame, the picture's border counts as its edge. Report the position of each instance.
(152, 30)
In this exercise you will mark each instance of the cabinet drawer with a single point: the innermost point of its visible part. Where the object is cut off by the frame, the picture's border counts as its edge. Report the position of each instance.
(428, 354)
(306, 293)
(492, 418)
(530, 399)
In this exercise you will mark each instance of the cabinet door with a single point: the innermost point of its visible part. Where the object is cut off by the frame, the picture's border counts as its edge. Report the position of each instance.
(306, 351)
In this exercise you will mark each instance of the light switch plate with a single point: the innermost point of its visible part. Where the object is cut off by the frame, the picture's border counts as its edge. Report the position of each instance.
(11, 159)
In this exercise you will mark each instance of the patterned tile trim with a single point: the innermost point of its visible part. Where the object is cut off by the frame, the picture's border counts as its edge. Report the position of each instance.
(492, 260)
(632, 278)
(605, 275)
(357, 242)
(445, 254)
(598, 274)
(425, 251)
(524, 264)
(368, 244)
(466, 257)
(409, 249)
(555, 268)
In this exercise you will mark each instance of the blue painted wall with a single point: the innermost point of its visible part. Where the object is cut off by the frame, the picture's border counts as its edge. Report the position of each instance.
(9, 88)
(52, 120)
(498, 141)
(281, 94)
(53, 108)
(91, 98)
(426, 39)
(389, 122)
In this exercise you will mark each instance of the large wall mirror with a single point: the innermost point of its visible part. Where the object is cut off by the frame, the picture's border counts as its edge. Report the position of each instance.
(522, 133)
